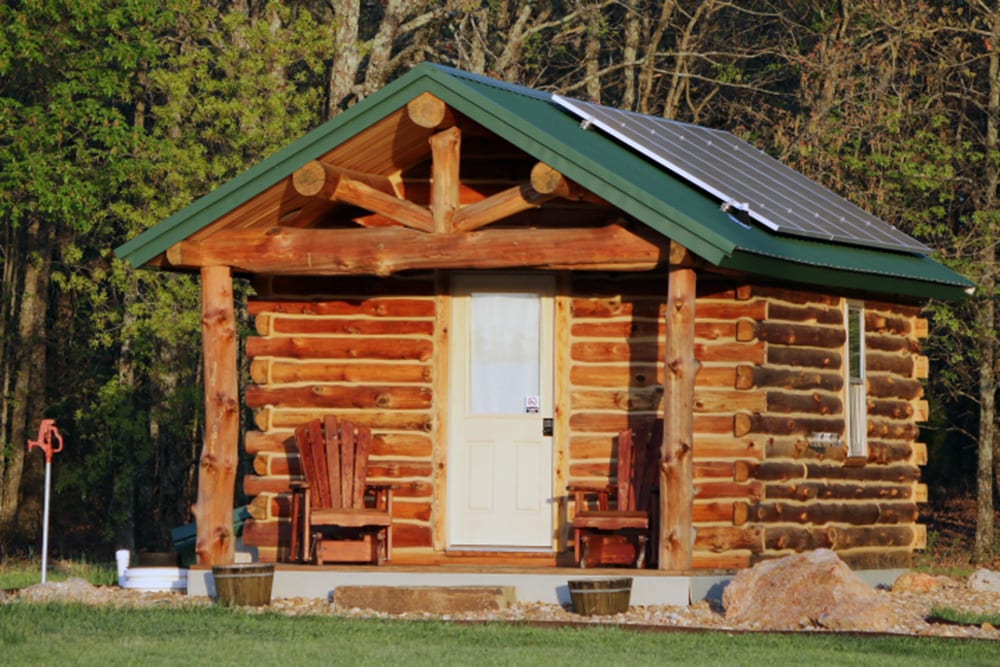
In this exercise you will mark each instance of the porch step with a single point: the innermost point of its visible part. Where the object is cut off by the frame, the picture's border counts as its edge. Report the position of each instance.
(430, 599)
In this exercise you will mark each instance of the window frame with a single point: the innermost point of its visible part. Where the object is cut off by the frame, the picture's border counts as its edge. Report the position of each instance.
(855, 383)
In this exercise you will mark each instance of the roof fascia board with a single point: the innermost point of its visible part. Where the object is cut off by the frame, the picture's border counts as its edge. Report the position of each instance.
(868, 282)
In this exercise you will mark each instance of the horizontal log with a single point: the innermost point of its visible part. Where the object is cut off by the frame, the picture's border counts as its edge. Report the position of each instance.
(889, 363)
(753, 490)
(778, 311)
(718, 376)
(805, 491)
(878, 559)
(814, 402)
(796, 296)
(613, 423)
(385, 251)
(889, 385)
(645, 399)
(892, 430)
(895, 344)
(899, 473)
(379, 470)
(887, 323)
(770, 471)
(604, 352)
(729, 560)
(727, 447)
(807, 357)
(797, 538)
(273, 325)
(821, 513)
(636, 330)
(726, 401)
(894, 409)
(409, 445)
(256, 442)
(406, 535)
(784, 333)
(712, 511)
(615, 376)
(268, 419)
(721, 539)
(796, 379)
(385, 397)
(377, 307)
(267, 533)
(730, 311)
(899, 309)
(800, 539)
(744, 424)
(713, 470)
(799, 448)
(652, 307)
(284, 371)
(254, 485)
(345, 289)
(296, 347)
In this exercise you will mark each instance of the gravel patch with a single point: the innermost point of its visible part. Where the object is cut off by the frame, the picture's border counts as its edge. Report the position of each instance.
(911, 610)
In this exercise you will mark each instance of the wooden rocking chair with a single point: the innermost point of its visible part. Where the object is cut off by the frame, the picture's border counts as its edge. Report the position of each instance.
(612, 522)
(336, 515)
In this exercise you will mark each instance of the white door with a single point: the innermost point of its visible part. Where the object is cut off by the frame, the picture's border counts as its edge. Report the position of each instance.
(500, 472)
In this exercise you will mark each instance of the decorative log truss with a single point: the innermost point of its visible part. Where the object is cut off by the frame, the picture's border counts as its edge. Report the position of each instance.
(401, 234)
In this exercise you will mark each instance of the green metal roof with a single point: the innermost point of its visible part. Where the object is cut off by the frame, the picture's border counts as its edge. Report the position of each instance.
(530, 120)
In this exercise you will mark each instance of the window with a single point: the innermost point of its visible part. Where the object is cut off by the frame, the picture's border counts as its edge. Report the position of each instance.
(857, 406)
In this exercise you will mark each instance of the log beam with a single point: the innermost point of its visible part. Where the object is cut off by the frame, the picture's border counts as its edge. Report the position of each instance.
(387, 250)
(217, 470)
(446, 148)
(548, 181)
(368, 191)
(502, 205)
(430, 112)
(677, 467)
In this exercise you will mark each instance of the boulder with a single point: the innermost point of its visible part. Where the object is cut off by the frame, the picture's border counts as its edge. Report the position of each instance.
(814, 589)
(985, 581)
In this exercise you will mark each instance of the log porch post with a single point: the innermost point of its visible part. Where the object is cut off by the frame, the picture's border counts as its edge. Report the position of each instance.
(676, 454)
(217, 469)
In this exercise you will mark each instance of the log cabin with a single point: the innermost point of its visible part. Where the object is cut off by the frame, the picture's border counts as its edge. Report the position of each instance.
(498, 280)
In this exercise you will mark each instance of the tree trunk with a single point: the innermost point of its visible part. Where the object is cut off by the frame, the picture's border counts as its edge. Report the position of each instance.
(986, 472)
(28, 383)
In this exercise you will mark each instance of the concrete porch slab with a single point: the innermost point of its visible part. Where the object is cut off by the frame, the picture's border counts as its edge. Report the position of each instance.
(545, 585)
(548, 586)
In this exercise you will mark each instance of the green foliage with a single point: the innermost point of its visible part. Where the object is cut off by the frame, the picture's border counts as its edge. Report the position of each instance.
(962, 617)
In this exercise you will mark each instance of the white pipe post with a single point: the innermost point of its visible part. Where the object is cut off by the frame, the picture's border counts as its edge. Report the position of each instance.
(45, 521)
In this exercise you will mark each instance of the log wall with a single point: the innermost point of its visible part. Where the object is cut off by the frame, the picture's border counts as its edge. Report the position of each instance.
(362, 349)
(807, 493)
(771, 374)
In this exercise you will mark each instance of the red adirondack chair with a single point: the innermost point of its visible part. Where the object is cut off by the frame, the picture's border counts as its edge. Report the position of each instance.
(336, 515)
(612, 523)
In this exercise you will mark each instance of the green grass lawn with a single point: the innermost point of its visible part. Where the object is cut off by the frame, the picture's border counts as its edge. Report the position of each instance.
(24, 573)
(78, 635)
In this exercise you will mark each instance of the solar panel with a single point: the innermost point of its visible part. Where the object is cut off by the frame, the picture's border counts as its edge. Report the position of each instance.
(746, 180)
